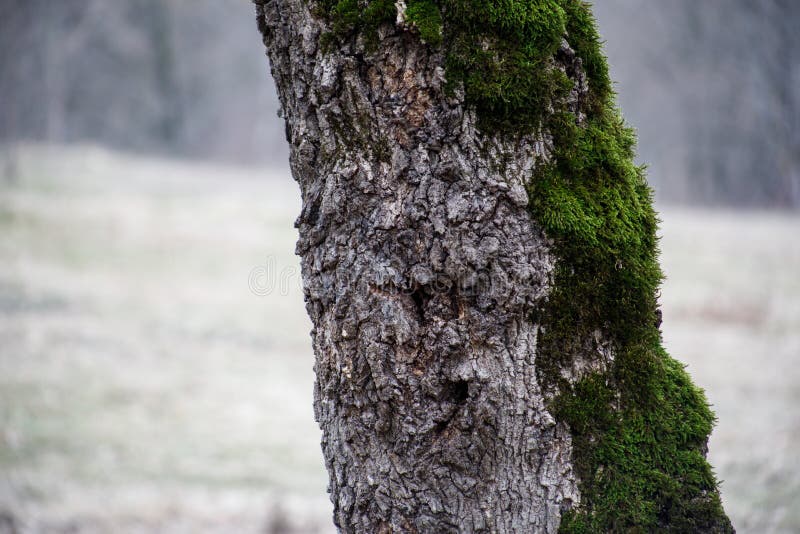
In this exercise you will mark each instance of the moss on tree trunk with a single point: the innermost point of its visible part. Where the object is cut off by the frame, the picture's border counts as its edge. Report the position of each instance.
(522, 79)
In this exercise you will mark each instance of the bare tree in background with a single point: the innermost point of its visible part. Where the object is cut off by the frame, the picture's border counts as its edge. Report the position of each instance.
(479, 264)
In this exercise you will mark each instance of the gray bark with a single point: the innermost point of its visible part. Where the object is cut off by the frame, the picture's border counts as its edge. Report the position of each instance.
(422, 267)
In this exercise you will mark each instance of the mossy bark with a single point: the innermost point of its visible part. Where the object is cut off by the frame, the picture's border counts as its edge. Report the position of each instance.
(480, 266)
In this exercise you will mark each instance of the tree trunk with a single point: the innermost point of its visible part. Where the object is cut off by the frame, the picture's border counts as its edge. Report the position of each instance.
(446, 387)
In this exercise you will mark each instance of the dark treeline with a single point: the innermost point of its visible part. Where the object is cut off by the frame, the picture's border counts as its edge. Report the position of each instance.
(711, 86)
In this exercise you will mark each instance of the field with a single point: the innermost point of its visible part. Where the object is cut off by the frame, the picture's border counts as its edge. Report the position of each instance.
(156, 371)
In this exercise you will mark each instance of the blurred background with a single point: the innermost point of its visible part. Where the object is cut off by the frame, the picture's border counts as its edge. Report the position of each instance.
(155, 364)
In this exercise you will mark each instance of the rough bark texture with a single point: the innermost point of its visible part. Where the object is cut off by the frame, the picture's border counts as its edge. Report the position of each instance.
(421, 268)
(428, 280)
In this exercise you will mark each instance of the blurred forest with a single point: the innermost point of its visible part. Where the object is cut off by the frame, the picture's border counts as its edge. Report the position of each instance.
(176, 77)
(713, 87)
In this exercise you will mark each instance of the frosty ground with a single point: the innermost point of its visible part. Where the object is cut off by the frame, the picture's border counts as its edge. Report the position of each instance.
(156, 371)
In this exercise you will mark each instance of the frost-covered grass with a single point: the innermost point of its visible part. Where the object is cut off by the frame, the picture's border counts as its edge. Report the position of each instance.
(144, 386)
(732, 312)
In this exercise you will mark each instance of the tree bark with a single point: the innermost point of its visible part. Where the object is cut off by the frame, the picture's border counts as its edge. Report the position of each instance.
(423, 271)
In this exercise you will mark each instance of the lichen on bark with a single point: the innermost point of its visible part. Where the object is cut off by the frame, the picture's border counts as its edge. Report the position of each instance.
(480, 265)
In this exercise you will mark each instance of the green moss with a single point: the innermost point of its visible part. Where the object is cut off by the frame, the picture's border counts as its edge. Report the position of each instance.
(345, 15)
(640, 426)
(503, 55)
(376, 13)
(425, 17)
(584, 39)
(352, 17)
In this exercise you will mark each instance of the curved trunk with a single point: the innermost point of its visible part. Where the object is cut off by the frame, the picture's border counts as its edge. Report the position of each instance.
(424, 274)
(421, 268)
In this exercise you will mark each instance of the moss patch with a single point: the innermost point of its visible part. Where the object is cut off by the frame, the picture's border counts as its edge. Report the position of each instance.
(640, 427)
(424, 15)
(351, 17)
(502, 53)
